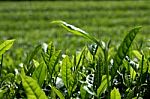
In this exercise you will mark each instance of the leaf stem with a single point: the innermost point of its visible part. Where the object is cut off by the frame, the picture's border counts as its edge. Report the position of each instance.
(1, 66)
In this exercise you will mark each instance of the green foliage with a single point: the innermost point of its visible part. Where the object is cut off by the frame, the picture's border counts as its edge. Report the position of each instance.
(6, 46)
(51, 58)
(76, 31)
(97, 71)
(103, 85)
(33, 91)
(123, 49)
(58, 92)
(40, 74)
(115, 94)
(30, 56)
(67, 75)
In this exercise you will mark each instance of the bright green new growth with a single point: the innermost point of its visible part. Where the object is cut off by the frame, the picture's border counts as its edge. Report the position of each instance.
(59, 94)
(115, 94)
(103, 85)
(33, 91)
(6, 46)
(77, 31)
(66, 73)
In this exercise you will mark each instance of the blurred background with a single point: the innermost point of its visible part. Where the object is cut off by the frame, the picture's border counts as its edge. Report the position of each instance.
(29, 21)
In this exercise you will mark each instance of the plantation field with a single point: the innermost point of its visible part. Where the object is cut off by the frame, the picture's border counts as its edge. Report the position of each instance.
(29, 22)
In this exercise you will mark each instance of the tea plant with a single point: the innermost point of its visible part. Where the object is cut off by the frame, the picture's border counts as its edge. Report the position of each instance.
(98, 71)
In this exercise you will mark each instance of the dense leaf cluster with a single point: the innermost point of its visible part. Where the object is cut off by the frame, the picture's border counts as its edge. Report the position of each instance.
(97, 71)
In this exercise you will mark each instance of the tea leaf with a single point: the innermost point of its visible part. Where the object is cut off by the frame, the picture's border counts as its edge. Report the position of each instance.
(98, 72)
(115, 94)
(132, 73)
(123, 49)
(32, 89)
(77, 31)
(40, 73)
(2, 92)
(83, 92)
(130, 94)
(51, 58)
(79, 58)
(32, 54)
(36, 63)
(50, 49)
(60, 95)
(103, 85)
(137, 54)
(67, 74)
(6, 45)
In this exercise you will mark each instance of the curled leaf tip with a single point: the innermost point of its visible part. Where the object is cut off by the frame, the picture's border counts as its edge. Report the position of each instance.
(57, 22)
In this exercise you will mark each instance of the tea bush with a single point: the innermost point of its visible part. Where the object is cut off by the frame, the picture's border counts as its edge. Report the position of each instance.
(99, 71)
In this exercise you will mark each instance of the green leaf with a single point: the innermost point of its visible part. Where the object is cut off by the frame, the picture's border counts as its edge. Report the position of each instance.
(2, 92)
(66, 73)
(115, 94)
(32, 89)
(6, 45)
(103, 85)
(36, 63)
(32, 54)
(60, 95)
(53, 62)
(40, 74)
(83, 92)
(79, 58)
(130, 93)
(98, 72)
(51, 58)
(123, 49)
(137, 54)
(50, 49)
(132, 73)
(77, 31)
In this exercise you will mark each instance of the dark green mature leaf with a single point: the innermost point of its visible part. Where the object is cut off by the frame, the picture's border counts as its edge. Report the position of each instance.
(53, 61)
(115, 94)
(79, 58)
(32, 89)
(40, 74)
(77, 31)
(50, 49)
(130, 94)
(66, 73)
(103, 85)
(123, 49)
(6, 45)
(98, 73)
(60, 95)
